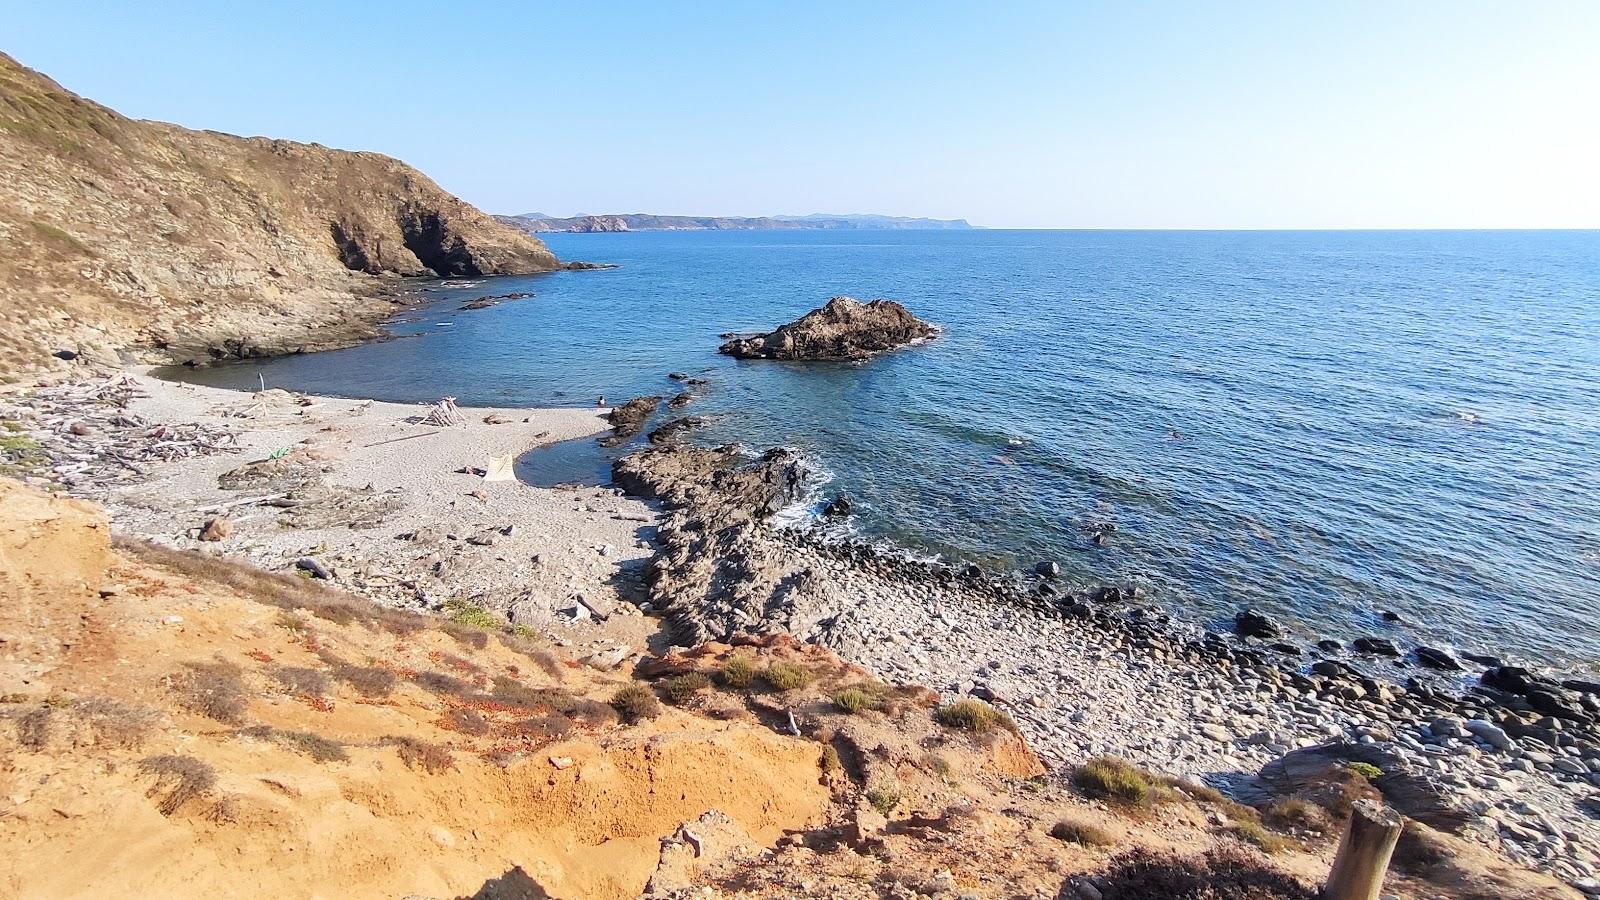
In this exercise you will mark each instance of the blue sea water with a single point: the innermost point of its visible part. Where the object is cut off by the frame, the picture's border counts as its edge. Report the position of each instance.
(1325, 425)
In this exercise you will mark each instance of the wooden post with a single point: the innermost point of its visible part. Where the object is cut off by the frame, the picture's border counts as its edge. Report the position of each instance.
(1364, 852)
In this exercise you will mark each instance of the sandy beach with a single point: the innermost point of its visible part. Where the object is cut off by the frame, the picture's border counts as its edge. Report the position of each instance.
(385, 506)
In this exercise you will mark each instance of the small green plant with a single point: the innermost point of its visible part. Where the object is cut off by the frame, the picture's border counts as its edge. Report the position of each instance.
(1365, 770)
(830, 759)
(1114, 779)
(1082, 833)
(739, 671)
(635, 703)
(852, 700)
(786, 676)
(884, 797)
(476, 617)
(1254, 834)
(680, 688)
(971, 714)
(1296, 812)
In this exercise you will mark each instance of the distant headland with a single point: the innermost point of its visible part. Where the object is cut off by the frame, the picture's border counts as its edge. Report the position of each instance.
(539, 223)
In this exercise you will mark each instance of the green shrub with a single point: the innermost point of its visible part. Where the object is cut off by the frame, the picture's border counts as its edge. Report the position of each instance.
(786, 676)
(1365, 770)
(680, 688)
(884, 797)
(830, 759)
(1114, 779)
(852, 700)
(476, 617)
(973, 715)
(738, 671)
(1077, 831)
(635, 703)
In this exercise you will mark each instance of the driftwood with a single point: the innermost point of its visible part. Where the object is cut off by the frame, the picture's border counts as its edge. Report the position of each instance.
(445, 413)
(1364, 852)
(81, 436)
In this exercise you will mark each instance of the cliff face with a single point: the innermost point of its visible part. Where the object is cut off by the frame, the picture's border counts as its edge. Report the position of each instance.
(162, 243)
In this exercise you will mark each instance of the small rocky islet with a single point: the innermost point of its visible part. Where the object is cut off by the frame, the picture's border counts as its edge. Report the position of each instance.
(843, 329)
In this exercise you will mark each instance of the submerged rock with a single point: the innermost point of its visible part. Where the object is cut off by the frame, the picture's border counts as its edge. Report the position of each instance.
(843, 329)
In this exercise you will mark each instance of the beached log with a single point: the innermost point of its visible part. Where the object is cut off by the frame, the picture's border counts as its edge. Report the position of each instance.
(1364, 852)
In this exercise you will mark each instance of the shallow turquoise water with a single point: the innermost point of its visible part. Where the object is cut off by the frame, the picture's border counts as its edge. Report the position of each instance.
(1326, 425)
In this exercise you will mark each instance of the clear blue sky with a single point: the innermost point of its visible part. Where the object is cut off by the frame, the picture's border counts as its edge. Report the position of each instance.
(1027, 114)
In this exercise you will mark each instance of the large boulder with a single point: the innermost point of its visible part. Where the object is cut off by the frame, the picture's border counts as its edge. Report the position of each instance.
(1414, 792)
(845, 328)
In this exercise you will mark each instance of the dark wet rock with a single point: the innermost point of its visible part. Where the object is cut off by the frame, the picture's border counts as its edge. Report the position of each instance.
(972, 572)
(1581, 686)
(628, 419)
(1254, 623)
(494, 300)
(716, 573)
(1484, 659)
(1285, 649)
(680, 401)
(1375, 646)
(843, 329)
(840, 505)
(1109, 594)
(1328, 645)
(1434, 658)
(1330, 668)
(1047, 569)
(674, 429)
(580, 266)
(1512, 679)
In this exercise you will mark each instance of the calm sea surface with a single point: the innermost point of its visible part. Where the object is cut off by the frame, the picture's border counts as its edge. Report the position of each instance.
(1325, 425)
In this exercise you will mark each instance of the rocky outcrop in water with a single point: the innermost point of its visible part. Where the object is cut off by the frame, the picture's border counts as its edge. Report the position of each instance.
(716, 573)
(144, 239)
(844, 329)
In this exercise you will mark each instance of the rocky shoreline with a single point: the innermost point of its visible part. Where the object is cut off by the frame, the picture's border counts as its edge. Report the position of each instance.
(1513, 760)
(1082, 674)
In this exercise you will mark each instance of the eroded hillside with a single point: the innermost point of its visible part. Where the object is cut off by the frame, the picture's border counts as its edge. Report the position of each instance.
(177, 724)
(126, 235)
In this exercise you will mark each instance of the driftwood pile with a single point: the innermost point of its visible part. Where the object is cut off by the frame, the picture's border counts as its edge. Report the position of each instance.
(82, 437)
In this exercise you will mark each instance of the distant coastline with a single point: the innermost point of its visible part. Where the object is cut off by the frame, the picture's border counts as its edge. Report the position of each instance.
(539, 223)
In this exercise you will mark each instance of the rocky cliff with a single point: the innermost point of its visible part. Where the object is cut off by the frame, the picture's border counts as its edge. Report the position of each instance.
(146, 239)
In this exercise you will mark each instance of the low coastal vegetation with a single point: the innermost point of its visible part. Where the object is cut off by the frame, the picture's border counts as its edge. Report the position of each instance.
(974, 715)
